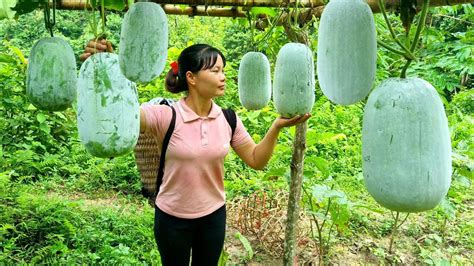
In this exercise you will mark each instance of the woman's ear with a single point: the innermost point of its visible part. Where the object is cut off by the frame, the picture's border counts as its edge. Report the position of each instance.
(190, 78)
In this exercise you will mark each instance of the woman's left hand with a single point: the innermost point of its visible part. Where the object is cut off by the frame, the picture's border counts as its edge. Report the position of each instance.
(281, 122)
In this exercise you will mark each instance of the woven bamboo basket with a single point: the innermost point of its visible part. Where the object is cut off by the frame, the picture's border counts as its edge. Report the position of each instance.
(147, 156)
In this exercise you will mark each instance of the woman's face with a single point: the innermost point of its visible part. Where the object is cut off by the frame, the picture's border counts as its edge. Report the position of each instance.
(210, 83)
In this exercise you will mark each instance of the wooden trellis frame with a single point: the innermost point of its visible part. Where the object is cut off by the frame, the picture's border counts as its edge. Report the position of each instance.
(238, 8)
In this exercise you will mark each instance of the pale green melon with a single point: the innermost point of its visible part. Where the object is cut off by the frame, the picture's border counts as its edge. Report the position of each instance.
(406, 146)
(143, 47)
(107, 107)
(51, 79)
(293, 83)
(347, 51)
(254, 81)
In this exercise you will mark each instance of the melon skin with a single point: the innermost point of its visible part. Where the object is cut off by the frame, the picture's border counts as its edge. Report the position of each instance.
(347, 51)
(143, 47)
(293, 82)
(406, 146)
(51, 79)
(254, 81)
(107, 107)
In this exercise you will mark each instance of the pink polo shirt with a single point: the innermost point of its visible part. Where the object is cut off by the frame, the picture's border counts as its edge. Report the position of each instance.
(193, 181)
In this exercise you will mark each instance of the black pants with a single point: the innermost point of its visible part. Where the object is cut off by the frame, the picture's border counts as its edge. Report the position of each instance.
(176, 237)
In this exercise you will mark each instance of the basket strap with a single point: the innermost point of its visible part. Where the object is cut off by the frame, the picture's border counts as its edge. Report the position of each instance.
(164, 147)
(231, 119)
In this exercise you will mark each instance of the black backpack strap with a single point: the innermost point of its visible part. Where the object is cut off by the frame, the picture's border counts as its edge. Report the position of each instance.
(231, 118)
(164, 147)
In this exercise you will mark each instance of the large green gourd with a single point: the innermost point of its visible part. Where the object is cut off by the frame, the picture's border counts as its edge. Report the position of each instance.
(347, 51)
(143, 44)
(51, 80)
(107, 107)
(406, 146)
(255, 84)
(293, 87)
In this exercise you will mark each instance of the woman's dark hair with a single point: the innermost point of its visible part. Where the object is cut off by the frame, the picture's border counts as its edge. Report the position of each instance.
(194, 58)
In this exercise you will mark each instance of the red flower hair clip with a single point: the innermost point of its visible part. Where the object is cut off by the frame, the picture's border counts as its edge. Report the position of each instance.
(175, 67)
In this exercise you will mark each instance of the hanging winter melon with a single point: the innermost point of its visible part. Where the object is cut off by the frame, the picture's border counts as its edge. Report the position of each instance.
(107, 107)
(406, 146)
(254, 81)
(51, 79)
(143, 44)
(347, 51)
(293, 87)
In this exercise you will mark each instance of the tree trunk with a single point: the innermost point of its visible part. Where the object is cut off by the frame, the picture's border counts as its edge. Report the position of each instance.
(299, 147)
(295, 34)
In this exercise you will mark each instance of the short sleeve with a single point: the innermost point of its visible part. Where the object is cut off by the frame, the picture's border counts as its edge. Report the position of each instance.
(157, 118)
(241, 136)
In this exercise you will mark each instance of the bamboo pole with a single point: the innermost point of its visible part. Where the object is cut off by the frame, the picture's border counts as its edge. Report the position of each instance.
(209, 7)
(203, 11)
(239, 3)
(211, 11)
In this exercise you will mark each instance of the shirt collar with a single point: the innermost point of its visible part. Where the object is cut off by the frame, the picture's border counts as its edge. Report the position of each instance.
(189, 115)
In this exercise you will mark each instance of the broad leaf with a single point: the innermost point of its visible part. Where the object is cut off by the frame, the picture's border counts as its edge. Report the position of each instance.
(263, 10)
(6, 8)
(41, 118)
(4, 58)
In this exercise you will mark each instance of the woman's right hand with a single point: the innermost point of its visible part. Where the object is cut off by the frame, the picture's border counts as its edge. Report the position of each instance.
(96, 46)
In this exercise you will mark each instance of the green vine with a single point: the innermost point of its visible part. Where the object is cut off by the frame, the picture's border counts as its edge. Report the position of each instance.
(272, 26)
(408, 53)
(419, 28)
(47, 17)
(252, 32)
(102, 7)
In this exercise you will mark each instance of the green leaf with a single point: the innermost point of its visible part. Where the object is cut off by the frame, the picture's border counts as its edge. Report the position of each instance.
(18, 53)
(339, 215)
(4, 58)
(246, 244)
(255, 11)
(118, 5)
(325, 137)
(45, 128)
(448, 209)
(41, 118)
(31, 107)
(6, 8)
(463, 180)
(182, 7)
(321, 164)
(320, 192)
(276, 171)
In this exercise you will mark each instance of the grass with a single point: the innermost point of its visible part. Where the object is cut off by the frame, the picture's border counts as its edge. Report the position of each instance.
(52, 223)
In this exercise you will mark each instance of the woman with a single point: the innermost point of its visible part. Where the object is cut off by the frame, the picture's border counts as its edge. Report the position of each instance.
(190, 207)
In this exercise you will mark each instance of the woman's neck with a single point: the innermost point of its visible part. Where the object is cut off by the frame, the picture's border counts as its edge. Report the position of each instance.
(199, 105)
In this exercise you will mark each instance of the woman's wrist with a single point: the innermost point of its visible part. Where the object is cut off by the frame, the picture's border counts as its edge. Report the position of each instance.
(276, 126)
